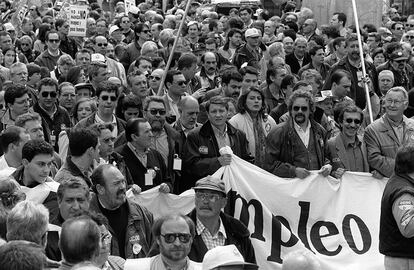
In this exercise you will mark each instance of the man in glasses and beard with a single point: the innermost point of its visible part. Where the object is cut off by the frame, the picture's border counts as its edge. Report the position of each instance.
(297, 146)
(174, 235)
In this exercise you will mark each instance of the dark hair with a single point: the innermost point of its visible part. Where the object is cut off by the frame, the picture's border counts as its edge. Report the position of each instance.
(241, 103)
(59, 23)
(47, 82)
(156, 61)
(130, 101)
(98, 177)
(248, 70)
(19, 254)
(404, 160)
(330, 31)
(156, 227)
(36, 147)
(235, 22)
(132, 127)
(138, 29)
(230, 34)
(337, 42)
(314, 49)
(150, 99)
(32, 68)
(293, 26)
(272, 72)
(351, 38)
(43, 29)
(142, 58)
(14, 91)
(290, 33)
(73, 183)
(80, 140)
(337, 76)
(73, 74)
(218, 100)
(84, 245)
(350, 109)
(53, 31)
(341, 17)
(186, 61)
(170, 76)
(391, 47)
(229, 75)
(377, 51)
(288, 80)
(246, 8)
(106, 86)
(10, 135)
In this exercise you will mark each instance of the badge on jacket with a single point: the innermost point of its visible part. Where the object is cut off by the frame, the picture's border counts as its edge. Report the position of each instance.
(203, 150)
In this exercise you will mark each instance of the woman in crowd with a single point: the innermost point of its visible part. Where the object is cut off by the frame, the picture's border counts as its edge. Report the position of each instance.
(40, 44)
(75, 75)
(253, 121)
(10, 57)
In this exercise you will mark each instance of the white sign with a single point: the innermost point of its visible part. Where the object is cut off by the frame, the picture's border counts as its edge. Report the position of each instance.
(336, 219)
(128, 4)
(77, 21)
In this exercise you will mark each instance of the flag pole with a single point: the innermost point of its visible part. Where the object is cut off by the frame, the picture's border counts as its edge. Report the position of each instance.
(167, 67)
(361, 55)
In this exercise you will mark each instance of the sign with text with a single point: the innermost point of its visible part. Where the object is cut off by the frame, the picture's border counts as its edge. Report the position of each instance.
(77, 21)
(128, 5)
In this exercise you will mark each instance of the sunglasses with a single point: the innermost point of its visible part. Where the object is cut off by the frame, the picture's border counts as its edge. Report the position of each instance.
(54, 40)
(102, 44)
(154, 78)
(125, 22)
(145, 31)
(350, 120)
(399, 28)
(105, 98)
(51, 94)
(171, 237)
(302, 108)
(410, 25)
(410, 37)
(181, 83)
(155, 111)
(25, 44)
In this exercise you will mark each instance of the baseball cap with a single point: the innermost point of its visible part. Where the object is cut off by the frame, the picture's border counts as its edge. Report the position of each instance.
(398, 56)
(113, 29)
(9, 27)
(98, 58)
(199, 47)
(252, 32)
(225, 256)
(210, 183)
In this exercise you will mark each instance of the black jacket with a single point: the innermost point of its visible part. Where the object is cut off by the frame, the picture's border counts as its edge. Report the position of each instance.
(293, 62)
(201, 151)
(237, 234)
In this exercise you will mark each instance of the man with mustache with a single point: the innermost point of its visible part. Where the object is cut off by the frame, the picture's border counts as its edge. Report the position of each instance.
(295, 147)
(208, 75)
(347, 150)
(397, 64)
(213, 227)
(129, 223)
(352, 64)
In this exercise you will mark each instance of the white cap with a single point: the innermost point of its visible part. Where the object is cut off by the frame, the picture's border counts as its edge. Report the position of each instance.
(97, 57)
(252, 32)
(113, 29)
(224, 256)
(9, 27)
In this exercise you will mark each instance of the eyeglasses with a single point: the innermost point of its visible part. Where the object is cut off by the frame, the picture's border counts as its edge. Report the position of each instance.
(145, 31)
(47, 94)
(155, 111)
(154, 78)
(105, 98)
(102, 44)
(350, 120)
(125, 22)
(302, 108)
(54, 40)
(209, 196)
(171, 237)
(410, 37)
(395, 101)
(25, 44)
(181, 83)
(108, 140)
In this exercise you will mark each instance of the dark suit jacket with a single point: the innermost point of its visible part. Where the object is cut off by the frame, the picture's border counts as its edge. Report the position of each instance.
(293, 62)
(337, 153)
(138, 171)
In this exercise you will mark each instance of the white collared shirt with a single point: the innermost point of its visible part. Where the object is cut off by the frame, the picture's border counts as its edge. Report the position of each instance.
(114, 124)
(303, 134)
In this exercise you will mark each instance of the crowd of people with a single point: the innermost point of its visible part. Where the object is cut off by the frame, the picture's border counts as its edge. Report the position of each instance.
(84, 119)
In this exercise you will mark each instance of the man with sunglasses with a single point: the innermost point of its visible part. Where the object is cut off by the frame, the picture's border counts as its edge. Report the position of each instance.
(49, 57)
(297, 146)
(55, 117)
(386, 134)
(214, 227)
(107, 95)
(347, 151)
(133, 50)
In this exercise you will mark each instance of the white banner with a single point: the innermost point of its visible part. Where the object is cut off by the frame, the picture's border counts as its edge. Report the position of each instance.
(77, 21)
(337, 220)
(128, 5)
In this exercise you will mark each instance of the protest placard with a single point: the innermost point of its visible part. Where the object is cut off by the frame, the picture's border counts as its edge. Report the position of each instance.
(77, 20)
(128, 4)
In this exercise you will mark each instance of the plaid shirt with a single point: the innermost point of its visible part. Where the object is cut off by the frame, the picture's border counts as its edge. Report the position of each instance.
(211, 241)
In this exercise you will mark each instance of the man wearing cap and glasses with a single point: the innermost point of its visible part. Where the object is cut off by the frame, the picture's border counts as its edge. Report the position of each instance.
(213, 227)
(297, 145)
(397, 64)
(250, 52)
(49, 57)
(174, 235)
